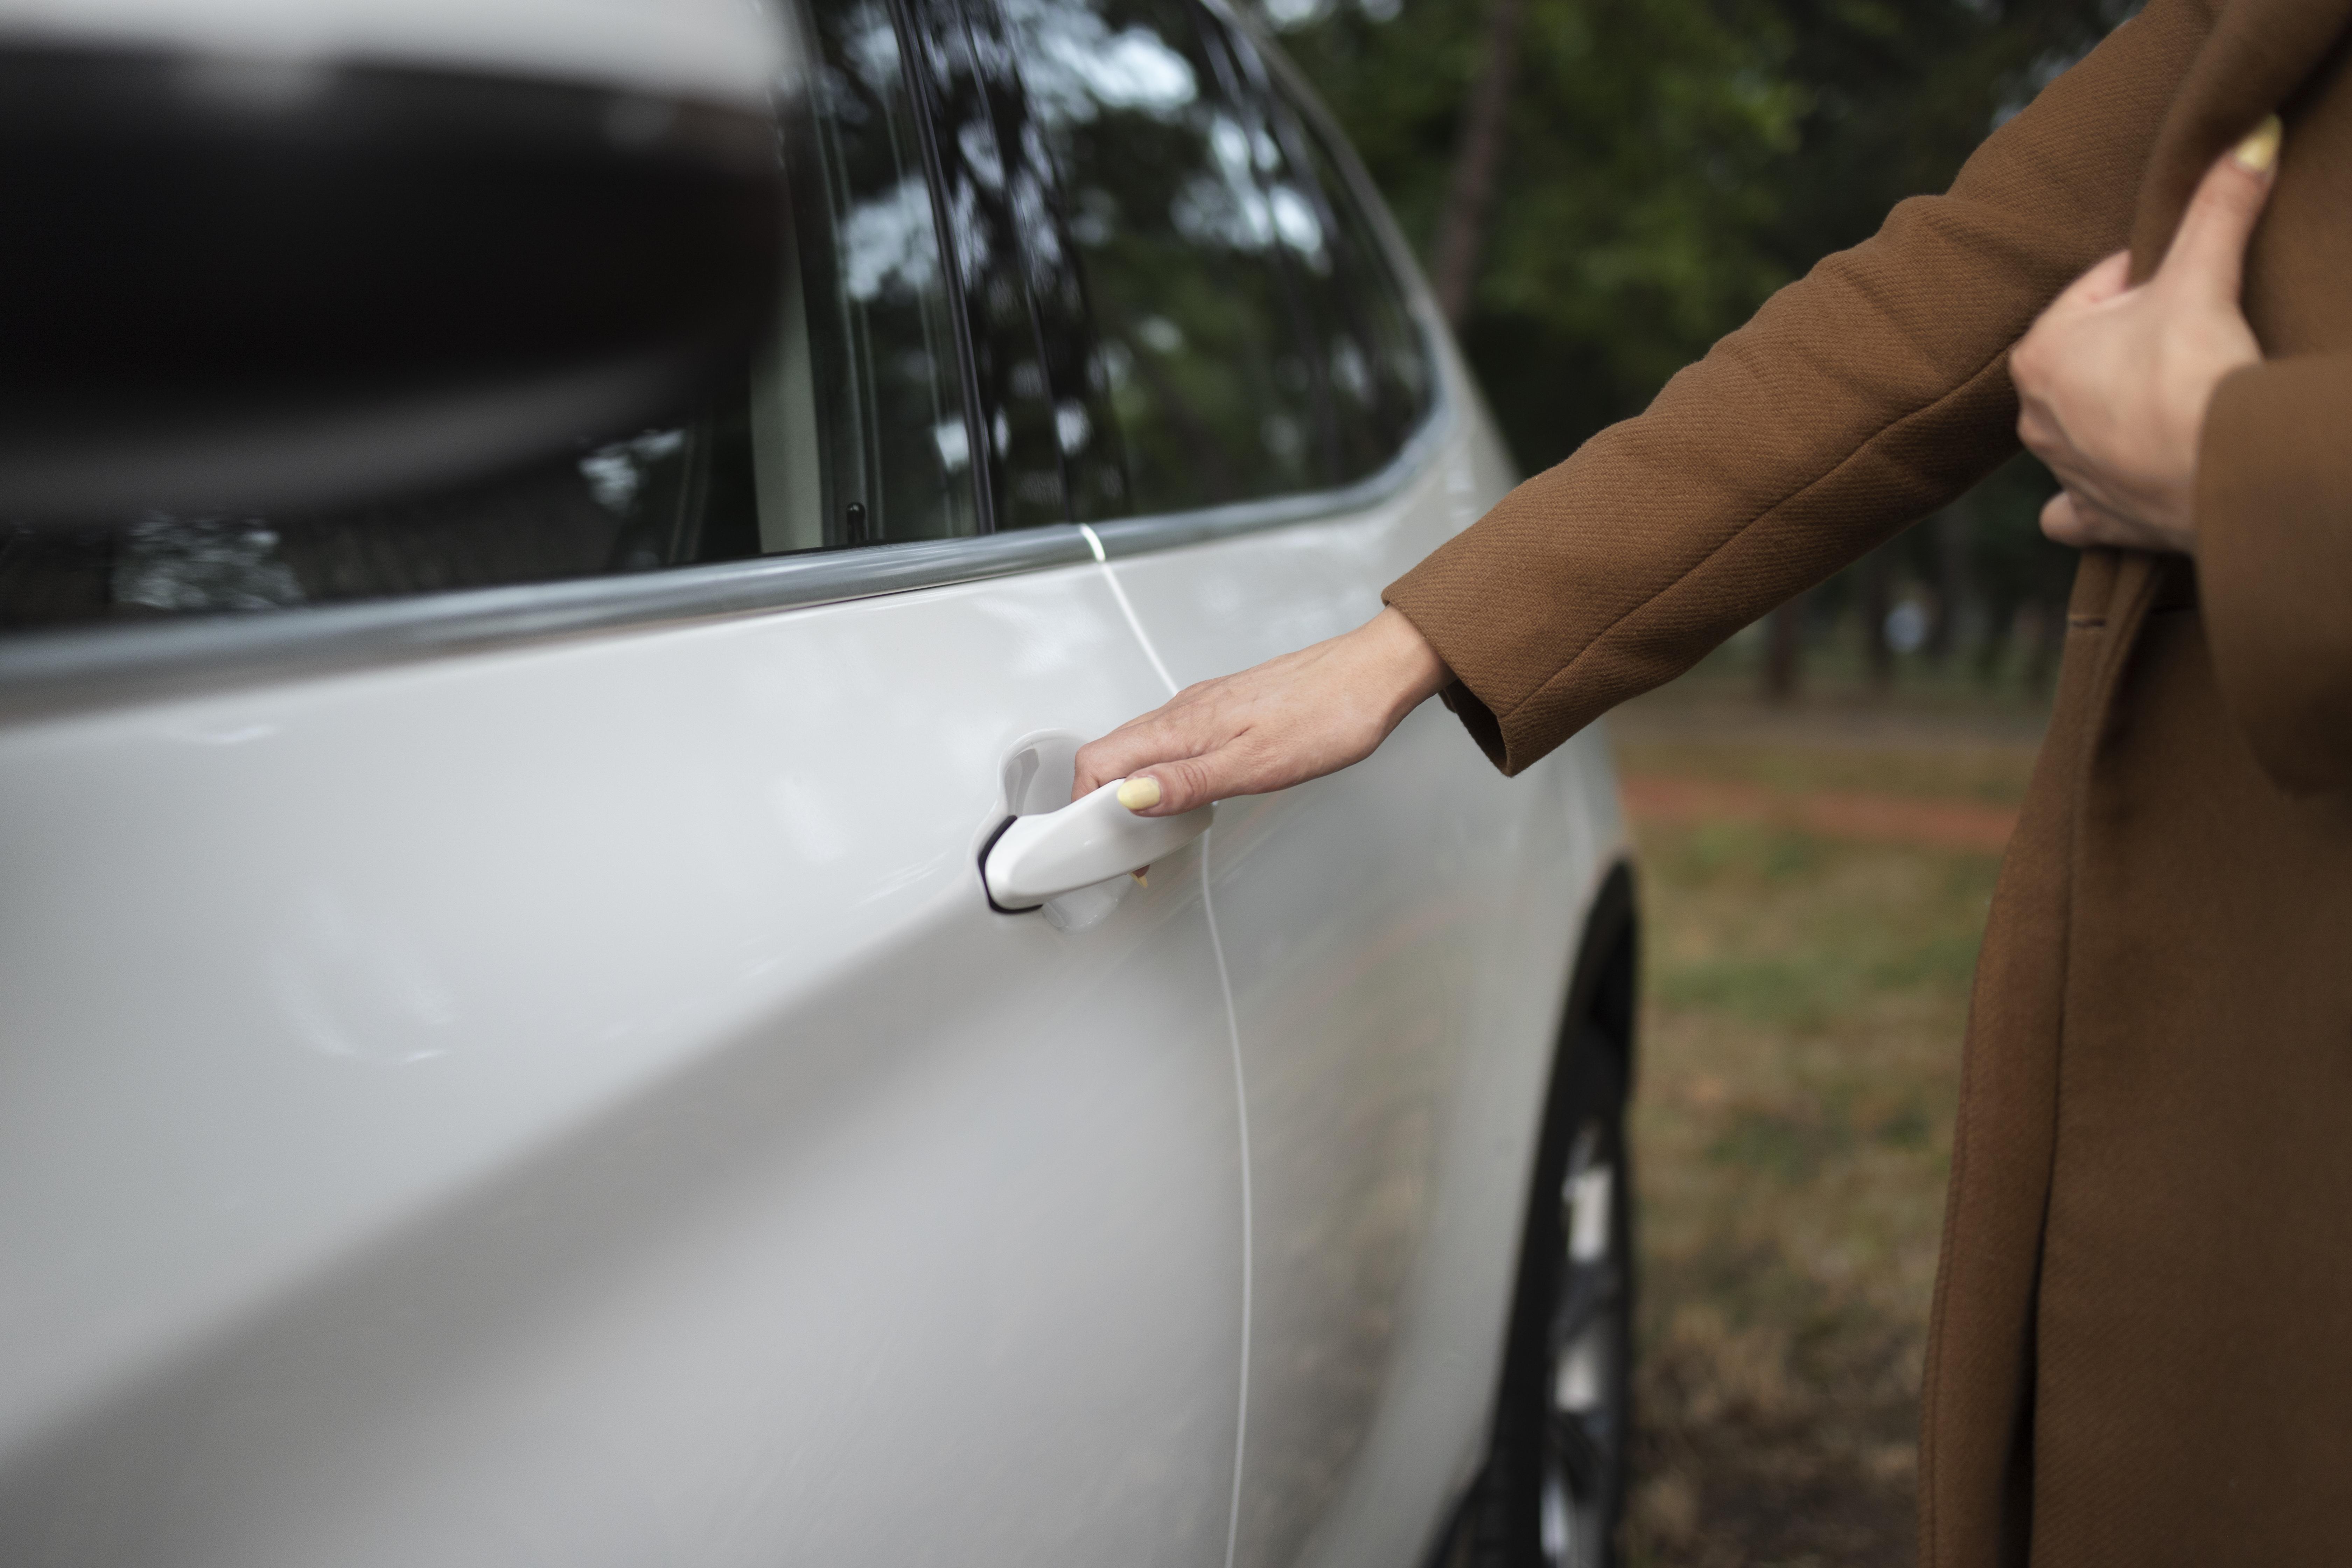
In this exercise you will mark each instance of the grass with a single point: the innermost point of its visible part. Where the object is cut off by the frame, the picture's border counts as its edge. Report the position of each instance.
(1991, 772)
(1803, 1003)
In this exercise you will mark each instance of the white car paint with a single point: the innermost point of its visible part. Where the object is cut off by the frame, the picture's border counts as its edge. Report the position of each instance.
(573, 1104)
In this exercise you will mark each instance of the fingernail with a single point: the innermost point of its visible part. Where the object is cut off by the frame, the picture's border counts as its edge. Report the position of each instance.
(2260, 150)
(1140, 794)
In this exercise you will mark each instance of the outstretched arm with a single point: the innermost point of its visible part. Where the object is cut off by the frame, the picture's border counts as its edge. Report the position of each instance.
(1858, 399)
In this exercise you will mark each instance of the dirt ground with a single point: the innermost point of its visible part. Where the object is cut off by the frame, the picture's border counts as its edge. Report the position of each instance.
(1815, 882)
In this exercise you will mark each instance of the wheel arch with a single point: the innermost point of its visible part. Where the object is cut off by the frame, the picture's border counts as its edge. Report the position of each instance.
(1603, 988)
(1601, 1000)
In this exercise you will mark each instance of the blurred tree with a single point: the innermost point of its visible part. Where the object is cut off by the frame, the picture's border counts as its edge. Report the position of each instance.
(1470, 189)
(2017, 570)
(1657, 166)
(1607, 186)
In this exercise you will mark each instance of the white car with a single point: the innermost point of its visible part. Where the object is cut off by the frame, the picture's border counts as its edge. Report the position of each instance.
(507, 1055)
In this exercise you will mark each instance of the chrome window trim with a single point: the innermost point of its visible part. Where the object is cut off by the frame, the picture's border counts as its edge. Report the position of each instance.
(45, 673)
(41, 672)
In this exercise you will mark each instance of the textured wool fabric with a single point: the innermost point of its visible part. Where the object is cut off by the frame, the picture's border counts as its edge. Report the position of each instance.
(2142, 1347)
(2275, 560)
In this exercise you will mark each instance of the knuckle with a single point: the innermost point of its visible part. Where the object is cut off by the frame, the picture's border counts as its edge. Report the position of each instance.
(1191, 778)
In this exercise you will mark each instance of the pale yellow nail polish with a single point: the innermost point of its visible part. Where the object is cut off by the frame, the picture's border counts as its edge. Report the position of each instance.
(2260, 150)
(1140, 794)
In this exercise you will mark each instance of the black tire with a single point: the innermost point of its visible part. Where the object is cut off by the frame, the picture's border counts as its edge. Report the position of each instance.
(1554, 1486)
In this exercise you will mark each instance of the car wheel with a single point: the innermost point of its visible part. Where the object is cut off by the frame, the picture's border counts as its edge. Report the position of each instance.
(1555, 1481)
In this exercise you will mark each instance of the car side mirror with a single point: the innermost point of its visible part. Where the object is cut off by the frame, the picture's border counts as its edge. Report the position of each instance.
(262, 254)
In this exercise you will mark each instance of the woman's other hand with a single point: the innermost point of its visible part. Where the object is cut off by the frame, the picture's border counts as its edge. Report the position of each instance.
(1287, 720)
(2113, 382)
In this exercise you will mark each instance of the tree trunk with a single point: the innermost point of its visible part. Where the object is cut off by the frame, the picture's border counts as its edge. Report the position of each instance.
(2041, 652)
(1877, 601)
(1470, 189)
(1956, 612)
(1784, 631)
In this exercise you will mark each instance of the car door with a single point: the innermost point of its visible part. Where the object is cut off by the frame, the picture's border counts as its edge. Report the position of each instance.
(529, 1074)
(1398, 935)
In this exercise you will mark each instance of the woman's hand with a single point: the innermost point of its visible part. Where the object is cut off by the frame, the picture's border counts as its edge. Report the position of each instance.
(2113, 382)
(1289, 720)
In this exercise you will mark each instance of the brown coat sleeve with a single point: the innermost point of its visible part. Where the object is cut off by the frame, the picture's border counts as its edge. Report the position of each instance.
(2274, 561)
(1859, 398)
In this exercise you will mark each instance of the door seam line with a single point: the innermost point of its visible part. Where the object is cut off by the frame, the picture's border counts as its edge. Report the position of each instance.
(1134, 622)
(1233, 1038)
(1241, 1108)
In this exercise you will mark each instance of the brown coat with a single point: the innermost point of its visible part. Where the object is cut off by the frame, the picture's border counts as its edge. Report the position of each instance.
(2142, 1350)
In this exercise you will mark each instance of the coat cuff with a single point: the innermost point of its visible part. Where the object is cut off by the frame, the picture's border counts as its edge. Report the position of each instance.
(2274, 515)
(1448, 621)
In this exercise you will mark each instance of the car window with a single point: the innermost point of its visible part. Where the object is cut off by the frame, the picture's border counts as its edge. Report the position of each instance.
(848, 426)
(873, 316)
(1197, 329)
(1373, 358)
(1052, 445)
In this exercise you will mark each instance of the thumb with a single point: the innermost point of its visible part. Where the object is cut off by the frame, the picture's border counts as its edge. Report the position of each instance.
(1171, 789)
(2208, 250)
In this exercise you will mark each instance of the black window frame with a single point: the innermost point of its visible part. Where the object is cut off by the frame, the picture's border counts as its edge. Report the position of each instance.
(1016, 291)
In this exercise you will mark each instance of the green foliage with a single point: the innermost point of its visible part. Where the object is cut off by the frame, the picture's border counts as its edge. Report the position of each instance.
(1667, 164)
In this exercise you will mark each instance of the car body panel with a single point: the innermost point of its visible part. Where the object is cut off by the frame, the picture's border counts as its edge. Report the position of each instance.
(574, 1103)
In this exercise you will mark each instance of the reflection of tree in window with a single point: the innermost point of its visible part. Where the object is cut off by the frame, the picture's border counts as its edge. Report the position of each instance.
(1376, 359)
(1205, 368)
(888, 249)
(879, 358)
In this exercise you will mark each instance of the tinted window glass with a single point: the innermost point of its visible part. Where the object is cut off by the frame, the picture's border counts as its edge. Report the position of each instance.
(660, 498)
(874, 319)
(848, 428)
(1162, 167)
(1373, 357)
(1052, 445)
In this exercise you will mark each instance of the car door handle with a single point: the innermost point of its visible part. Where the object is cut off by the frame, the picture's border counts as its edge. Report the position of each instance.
(1090, 840)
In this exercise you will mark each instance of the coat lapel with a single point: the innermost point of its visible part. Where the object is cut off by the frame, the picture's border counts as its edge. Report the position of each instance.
(2258, 54)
